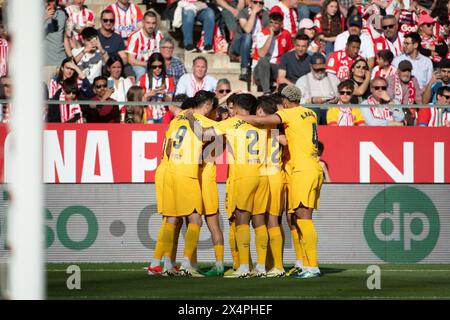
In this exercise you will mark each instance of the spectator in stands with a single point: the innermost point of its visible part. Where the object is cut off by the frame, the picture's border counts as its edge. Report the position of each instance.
(354, 24)
(174, 110)
(308, 28)
(54, 50)
(230, 11)
(111, 41)
(436, 117)
(191, 83)
(5, 93)
(407, 17)
(116, 78)
(158, 85)
(102, 113)
(4, 50)
(271, 44)
(439, 79)
(197, 10)
(134, 114)
(345, 115)
(91, 57)
(79, 17)
(422, 66)
(287, 9)
(330, 23)
(223, 89)
(174, 66)
(375, 116)
(143, 43)
(295, 63)
(306, 7)
(384, 65)
(318, 87)
(252, 19)
(405, 88)
(127, 18)
(69, 70)
(432, 46)
(339, 62)
(390, 39)
(66, 113)
(360, 75)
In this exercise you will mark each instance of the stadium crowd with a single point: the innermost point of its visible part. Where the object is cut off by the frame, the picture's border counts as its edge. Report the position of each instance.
(337, 52)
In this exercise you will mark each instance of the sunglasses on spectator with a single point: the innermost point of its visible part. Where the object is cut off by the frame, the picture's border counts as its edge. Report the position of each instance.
(428, 24)
(360, 67)
(99, 86)
(389, 26)
(224, 91)
(7, 85)
(71, 92)
(319, 70)
(380, 87)
(345, 92)
(108, 20)
(258, 2)
(446, 97)
(157, 66)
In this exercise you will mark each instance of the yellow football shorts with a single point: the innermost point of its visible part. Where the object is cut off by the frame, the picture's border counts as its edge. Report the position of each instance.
(181, 195)
(305, 189)
(277, 191)
(251, 194)
(159, 185)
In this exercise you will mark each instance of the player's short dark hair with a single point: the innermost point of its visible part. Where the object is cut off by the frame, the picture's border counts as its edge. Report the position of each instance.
(386, 55)
(88, 33)
(301, 36)
(203, 96)
(353, 38)
(246, 101)
(277, 98)
(266, 103)
(180, 97)
(346, 84)
(276, 16)
(415, 37)
(188, 103)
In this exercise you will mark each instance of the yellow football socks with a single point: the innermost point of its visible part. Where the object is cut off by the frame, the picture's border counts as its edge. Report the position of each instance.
(276, 246)
(173, 256)
(168, 235)
(233, 245)
(261, 239)
(191, 240)
(297, 245)
(218, 251)
(243, 243)
(309, 241)
(159, 248)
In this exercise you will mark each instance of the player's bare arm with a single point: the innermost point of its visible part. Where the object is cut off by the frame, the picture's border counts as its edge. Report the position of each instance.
(272, 119)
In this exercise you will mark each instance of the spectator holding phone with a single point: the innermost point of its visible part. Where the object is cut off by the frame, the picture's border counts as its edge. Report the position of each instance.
(116, 78)
(360, 75)
(440, 78)
(102, 113)
(91, 57)
(158, 85)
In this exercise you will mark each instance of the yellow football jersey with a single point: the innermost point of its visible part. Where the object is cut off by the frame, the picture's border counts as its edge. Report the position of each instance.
(300, 126)
(247, 147)
(186, 149)
(274, 159)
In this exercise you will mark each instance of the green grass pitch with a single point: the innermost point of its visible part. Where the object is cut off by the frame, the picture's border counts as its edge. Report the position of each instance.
(339, 281)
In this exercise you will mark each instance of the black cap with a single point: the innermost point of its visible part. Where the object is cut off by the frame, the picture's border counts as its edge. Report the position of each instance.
(405, 65)
(355, 20)
(318, 59)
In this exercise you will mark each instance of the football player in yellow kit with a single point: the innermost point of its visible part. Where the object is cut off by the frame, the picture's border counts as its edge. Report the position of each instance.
(307, 176)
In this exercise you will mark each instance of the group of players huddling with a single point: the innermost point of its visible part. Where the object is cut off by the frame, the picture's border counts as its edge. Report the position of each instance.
(271, 144)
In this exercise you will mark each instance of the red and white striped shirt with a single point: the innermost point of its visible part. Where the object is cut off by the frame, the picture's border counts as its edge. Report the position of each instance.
(4, 55)
(339, 63)
(157, 112)
(289, 17)
(282, 44)
(377, 72)
(434, 117)
(68, 111)
(381, 43)
(427, 42)
(126, 21)
(79, 18)
(143, 47)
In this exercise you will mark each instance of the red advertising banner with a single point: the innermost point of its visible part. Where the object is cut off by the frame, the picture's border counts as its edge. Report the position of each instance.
(117, 153)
